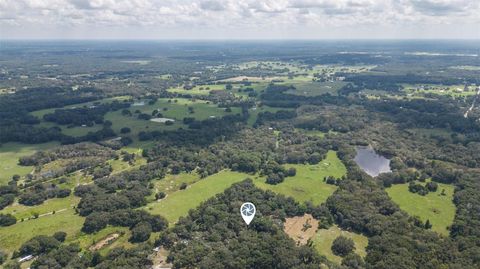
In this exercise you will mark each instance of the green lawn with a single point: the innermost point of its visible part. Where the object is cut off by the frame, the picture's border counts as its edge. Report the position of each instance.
(87, 240)
(324, 238)
(177, 204)
(40, 113)
(12, 237)
(177, 109)
(174, 110)
(449, 90)
(439, 209)
(311, 88)
(198, 90)
(9, 155)
(307, 184)
(55, 204)
(171, 183)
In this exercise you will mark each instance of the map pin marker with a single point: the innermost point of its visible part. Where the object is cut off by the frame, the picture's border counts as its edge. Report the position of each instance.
(248, 212)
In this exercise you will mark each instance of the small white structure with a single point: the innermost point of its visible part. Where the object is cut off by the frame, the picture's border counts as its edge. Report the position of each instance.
(25, 259)
(162, 120)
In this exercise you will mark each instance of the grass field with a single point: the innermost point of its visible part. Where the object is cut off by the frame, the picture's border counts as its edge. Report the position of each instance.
(87, 240)
(452, 91)
(177, 109)
(177, 204)
(174, 110)
(307, 184)
(55, 204)
(9, 155)
(12, 237)
(323, 240)
(439, 209)
(40, 113)
(171, 183)
(198, 90)
(310, 88)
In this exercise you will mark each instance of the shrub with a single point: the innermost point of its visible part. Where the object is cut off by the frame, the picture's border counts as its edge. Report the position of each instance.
(141, 232)
(3, 257)
(160, 195)
(60, 236)
(432, 186)
(342, 246)
(125, 130)
(7, 220)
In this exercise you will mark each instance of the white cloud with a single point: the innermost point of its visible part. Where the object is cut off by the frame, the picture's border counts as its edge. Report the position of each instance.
(236, 18)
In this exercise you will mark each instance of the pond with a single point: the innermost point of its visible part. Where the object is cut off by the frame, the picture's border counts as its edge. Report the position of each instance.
(370, 162)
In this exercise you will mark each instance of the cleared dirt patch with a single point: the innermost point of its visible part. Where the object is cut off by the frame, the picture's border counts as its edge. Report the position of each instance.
(160, 259)
(104, 242)
(301, 228)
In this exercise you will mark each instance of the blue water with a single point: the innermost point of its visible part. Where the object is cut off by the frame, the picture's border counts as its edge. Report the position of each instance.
(370, 162)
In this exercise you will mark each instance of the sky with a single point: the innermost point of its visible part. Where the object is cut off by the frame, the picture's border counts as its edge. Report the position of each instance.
(239, 19)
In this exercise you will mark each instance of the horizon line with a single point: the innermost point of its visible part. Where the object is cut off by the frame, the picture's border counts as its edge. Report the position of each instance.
(239, 39)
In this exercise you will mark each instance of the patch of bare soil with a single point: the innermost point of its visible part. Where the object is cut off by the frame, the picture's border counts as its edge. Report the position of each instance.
(160, 259)
(104, 242)
(301, 228)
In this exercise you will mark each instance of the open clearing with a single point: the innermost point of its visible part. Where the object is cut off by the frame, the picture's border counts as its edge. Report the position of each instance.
(171, 183)
(104, 242)
(308, 184)
(177, 204)
(435, 207)
(316, 88)
(175, 109)
(55, 204)
(12, 237)
(324, 238)
(301, 228)
(198, 90)
(449, 90)
(9, 155)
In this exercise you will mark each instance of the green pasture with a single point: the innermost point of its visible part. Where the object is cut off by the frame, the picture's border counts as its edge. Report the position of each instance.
(324, 238)
(56, 204)
(198, 90)
(171, 183)
(178, 203)
(9, 155)
(12, 237)
(176, 109)
(435, 207)
(308, 184)
(448, 90)
(313, 88)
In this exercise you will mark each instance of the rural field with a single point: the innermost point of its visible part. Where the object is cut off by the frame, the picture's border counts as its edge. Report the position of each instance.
(199, 90)
(177, 204)
(12, 237)
(437, 208)
(316, 88)
(324, 238)
(308, 184)
(9, 155)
